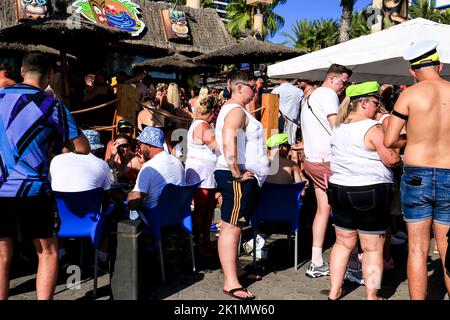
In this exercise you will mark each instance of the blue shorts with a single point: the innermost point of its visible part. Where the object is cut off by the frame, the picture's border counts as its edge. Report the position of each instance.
(238, 198)
(426, 194)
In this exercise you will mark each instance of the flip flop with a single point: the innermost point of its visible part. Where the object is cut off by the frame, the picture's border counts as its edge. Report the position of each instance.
(232, 294)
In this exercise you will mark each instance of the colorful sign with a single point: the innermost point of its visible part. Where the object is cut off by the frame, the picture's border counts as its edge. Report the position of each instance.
(396, 10)
(31, 9)
(119, 14)
(176, 25)
(442, 4)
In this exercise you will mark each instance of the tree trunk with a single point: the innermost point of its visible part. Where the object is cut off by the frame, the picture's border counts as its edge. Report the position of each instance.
(347, 10)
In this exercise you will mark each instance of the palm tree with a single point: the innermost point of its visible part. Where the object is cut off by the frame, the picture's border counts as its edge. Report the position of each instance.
(444, 17)
(346, 18)
(358, 26)
(313, 35)
(327, 31)
(241, 18)
(424, 9)
(303, 36)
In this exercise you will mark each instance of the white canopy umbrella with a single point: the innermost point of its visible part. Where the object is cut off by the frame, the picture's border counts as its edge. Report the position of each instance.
(377, 56)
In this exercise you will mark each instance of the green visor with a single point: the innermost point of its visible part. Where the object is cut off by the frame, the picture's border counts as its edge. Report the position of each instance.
(365, 89)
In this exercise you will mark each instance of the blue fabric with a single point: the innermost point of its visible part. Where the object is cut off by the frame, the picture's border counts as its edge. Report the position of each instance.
(152, 136)
(279, 202)
(174, 207)
(425, 194)
(30, 121)
(94, 139)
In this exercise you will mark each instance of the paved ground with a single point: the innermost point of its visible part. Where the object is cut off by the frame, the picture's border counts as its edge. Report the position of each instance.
(281, 281)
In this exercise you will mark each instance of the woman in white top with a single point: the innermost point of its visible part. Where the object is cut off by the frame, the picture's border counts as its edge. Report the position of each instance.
(200, 165)
(360, 187)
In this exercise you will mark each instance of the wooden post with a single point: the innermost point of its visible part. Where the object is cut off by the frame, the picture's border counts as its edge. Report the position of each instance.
(126, 106)
(269, 118)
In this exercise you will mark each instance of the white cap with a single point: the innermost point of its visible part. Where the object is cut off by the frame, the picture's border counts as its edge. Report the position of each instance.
(418, 49)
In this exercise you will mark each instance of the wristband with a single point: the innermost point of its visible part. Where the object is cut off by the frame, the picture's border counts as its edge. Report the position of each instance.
(239, 178)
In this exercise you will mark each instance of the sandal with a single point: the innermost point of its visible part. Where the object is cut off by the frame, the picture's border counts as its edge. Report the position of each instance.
(232, 294)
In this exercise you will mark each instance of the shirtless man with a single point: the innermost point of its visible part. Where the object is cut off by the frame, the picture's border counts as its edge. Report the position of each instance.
(5, 81)
(289, 171)
(425, 185)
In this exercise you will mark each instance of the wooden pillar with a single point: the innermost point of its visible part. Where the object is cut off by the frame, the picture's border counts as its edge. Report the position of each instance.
(269, 118)
(126, 106)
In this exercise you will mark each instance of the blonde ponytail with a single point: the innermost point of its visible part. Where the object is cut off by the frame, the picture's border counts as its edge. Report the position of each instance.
(345, 108)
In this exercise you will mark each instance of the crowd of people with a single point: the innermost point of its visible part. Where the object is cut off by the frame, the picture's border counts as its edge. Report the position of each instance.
(363, 148)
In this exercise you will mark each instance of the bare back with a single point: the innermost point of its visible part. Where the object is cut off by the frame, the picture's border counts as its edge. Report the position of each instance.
(428, 127)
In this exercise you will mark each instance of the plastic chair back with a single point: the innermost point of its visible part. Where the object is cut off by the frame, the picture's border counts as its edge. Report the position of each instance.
(279, 202)
(174, 207)
(80, 214)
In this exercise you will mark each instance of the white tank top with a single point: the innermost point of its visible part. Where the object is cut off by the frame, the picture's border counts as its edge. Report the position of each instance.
(352, 163)
(199, 152)
(251, 146)
(200, 161)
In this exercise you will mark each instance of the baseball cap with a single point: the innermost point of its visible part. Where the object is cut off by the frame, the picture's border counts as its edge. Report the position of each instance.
(361, 90)
(277, 140)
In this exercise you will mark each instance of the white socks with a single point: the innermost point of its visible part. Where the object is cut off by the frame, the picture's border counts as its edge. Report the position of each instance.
(317, 258)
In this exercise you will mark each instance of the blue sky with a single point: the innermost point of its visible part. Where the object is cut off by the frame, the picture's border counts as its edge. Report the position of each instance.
(310, 9)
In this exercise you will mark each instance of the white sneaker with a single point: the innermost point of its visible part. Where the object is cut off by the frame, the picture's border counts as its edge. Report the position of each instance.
(313, 271)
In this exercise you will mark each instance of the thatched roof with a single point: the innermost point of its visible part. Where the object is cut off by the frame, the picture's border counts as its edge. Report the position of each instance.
(207, 30)
(61, 30)
(250, 50)
(175, 63)
(11, 47)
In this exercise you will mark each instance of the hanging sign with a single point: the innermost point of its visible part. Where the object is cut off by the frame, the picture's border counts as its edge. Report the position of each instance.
(119, 14)
(31, 9)
(176, 25)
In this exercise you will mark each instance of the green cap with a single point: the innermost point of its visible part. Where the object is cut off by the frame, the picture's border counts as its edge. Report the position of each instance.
(277, 140)
(365, 89)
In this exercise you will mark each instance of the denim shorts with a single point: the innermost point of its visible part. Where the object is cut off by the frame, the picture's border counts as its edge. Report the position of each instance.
(426, 194)
(363, 208)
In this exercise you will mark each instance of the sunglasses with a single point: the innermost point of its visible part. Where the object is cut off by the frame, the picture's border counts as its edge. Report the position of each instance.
(123, 146)
(253, 87)
(375, 102)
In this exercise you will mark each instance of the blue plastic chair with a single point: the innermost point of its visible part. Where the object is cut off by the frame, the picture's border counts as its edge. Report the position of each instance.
(81, 217)
(173, 208)
(279, 202)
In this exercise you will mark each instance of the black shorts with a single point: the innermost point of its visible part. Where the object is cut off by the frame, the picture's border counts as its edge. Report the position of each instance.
(364, 208)
(29, 218)
(239, 198)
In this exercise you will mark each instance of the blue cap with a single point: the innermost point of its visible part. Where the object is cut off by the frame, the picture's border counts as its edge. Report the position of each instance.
(152, 136)
(94, 139)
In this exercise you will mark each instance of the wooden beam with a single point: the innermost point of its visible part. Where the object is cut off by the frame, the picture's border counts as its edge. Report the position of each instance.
(269, 119)
(126, 106)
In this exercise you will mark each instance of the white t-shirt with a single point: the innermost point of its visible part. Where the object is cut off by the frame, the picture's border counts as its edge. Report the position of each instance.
(71, 172)
(290, 98)
(156, 173)
(324, 102)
